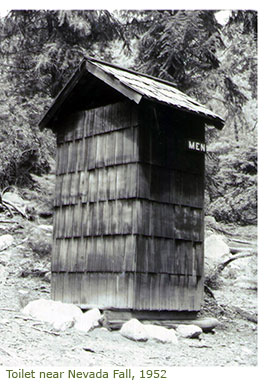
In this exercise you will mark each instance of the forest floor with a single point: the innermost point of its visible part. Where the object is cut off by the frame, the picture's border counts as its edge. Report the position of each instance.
(27, 342)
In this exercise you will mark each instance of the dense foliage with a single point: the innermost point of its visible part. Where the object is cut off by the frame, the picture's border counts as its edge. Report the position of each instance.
(22, 150)
(234, 195)
(181, 46)
(39, 50)
(45, 46)
(232, 181)
(216, 64)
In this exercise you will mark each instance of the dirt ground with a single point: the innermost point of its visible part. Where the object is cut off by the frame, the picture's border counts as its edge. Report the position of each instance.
(28, 342)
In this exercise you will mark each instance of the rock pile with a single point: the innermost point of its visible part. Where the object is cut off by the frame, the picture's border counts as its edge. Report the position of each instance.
(62, 316)
(135, 330)
(216, 251)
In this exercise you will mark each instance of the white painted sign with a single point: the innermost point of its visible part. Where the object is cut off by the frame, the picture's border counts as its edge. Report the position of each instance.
(197, 146)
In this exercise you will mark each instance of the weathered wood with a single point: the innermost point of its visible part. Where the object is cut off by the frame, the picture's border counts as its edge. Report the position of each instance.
(64, 157)
(83, 186)
(114, 319)
(170, 186)
(199, 258)
(222, 266)
(114, 83)
(11, 206)
(169, 221)
(234, 249)
(71, 152)
(108, 254)
(111, 183)
(245, 314)
(242, 241)
(119, 141)
(91, 157)
(58, 190)
(173, 293)
(64, 197)
(61, 261)
(61, 97)
(129, 212)
(82, 156)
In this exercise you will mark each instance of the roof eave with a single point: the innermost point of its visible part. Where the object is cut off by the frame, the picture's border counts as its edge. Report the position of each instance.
(87, 67)
(62, 95)
(215, 121)
(218, 122)
(84, 68)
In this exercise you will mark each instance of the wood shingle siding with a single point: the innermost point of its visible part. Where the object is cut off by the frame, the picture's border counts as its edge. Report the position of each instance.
(129, 203)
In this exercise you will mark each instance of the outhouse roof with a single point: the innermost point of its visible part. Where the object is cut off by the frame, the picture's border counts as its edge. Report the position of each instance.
(136, 86)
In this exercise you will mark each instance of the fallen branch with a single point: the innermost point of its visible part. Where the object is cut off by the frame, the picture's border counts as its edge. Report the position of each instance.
(14, 245)
(234, 249)
(245, 314)
(209, 291)
(88, 350)
(222, 266)
(29, 319)
(34, 272)
(9, 205)
(5, 206)
(8, 221)
(8, 353)
(43, 330)
(241, 241)
(211, 281)
(227, 232)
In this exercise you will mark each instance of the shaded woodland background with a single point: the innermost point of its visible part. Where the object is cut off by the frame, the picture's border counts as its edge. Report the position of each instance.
(216, 64)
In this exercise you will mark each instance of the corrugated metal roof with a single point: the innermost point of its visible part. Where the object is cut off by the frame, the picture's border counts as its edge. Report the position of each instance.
(158, 90)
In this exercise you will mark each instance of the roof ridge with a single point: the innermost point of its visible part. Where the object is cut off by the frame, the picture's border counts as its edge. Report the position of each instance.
(92, 59)
(133, 85)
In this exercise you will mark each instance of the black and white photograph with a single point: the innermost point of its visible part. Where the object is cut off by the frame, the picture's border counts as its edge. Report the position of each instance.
(128, 192)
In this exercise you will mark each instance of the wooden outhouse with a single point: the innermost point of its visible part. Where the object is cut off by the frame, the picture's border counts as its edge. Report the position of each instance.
(129, 200)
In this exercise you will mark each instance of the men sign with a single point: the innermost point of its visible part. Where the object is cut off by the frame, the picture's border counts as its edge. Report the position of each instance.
(195, 145)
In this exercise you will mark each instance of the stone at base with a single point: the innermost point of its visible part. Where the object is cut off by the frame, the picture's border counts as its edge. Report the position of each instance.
(88, 320)
(207, 324)
(189, 331)
(134, 330)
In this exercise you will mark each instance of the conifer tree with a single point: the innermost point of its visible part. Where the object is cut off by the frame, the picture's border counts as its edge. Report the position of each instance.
(39, 50)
